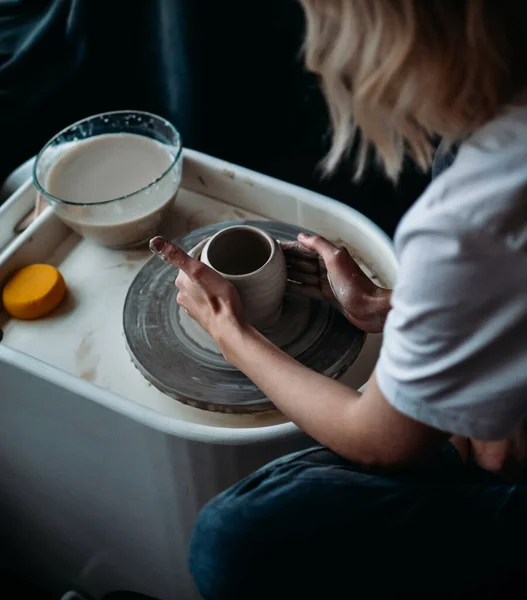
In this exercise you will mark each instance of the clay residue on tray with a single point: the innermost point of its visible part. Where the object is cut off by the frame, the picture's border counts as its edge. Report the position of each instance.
(86, 358)
(89, 374)
(130, 266)
(83, 349)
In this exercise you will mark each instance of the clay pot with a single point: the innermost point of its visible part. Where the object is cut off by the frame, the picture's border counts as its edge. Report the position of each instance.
(254, 263)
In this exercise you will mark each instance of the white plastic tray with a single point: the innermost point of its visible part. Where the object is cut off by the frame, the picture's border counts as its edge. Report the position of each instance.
(84, 337)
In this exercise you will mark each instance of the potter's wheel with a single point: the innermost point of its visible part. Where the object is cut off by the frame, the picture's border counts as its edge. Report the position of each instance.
(177, 357)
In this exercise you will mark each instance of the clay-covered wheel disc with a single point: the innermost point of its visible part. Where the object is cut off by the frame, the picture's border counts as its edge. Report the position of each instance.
(157, 334)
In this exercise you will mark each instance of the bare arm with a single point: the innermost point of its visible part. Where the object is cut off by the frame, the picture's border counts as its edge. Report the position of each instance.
(363, 428)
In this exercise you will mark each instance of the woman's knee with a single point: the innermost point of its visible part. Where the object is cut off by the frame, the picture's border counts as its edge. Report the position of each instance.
(237, 529)
(219, 547)
(203, 562)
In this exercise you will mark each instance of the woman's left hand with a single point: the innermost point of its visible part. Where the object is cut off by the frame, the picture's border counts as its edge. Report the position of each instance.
(207, 297)
(506, 458)
(318, 269)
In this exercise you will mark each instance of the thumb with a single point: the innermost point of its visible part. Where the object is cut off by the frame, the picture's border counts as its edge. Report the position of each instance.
(338, 261)
(320, 245)
(172, 254)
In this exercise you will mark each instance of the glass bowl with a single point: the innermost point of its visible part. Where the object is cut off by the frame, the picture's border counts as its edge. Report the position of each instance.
(112, 177)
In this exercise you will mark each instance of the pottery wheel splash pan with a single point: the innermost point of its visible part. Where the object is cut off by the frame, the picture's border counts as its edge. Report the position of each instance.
(163, 344)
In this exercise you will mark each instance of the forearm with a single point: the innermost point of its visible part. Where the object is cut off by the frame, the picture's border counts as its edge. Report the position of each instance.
(363, 428)
(318, 405)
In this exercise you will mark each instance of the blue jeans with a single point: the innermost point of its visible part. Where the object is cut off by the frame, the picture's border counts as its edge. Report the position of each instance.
(313, 525)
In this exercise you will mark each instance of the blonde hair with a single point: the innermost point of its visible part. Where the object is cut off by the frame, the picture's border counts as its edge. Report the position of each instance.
(401, 72)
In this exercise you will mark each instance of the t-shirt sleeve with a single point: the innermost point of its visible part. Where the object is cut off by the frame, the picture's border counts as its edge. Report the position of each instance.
(454, 352)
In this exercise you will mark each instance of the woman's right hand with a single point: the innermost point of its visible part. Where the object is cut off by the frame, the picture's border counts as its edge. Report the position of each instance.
(318, 269)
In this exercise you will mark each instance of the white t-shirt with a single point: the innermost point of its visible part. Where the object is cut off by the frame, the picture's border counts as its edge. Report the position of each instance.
(455, 348)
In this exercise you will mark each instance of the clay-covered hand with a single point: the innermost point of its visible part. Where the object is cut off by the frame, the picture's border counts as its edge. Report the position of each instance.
(319, 269)
(207, 297)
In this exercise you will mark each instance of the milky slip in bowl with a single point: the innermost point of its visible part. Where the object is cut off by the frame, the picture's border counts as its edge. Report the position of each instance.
(113, 177)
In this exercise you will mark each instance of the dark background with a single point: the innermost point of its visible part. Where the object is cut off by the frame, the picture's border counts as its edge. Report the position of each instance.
(228, 74)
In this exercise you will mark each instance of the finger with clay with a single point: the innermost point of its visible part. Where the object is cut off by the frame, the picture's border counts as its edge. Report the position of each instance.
(207, 297)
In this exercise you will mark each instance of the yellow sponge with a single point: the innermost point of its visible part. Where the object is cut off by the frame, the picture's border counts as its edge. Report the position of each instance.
(33, 292)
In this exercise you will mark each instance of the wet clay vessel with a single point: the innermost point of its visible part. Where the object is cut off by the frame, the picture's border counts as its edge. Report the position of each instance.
(254, 263)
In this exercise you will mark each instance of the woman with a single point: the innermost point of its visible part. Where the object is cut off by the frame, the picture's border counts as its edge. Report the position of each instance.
(387, 505)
